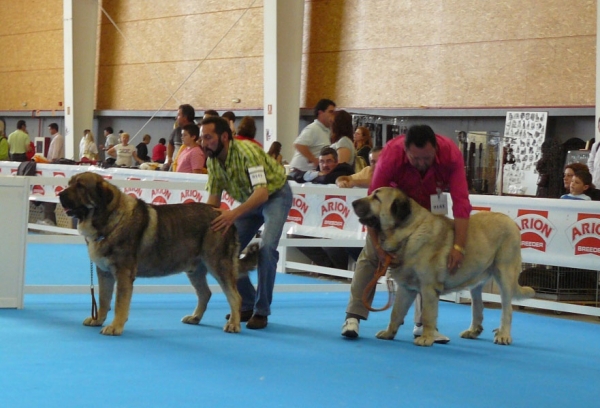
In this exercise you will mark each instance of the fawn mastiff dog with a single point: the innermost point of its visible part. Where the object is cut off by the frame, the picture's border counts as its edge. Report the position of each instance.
(127, 238)
(422, 242)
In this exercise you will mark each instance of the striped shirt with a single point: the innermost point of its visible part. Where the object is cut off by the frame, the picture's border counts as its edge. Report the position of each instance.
(234, 176)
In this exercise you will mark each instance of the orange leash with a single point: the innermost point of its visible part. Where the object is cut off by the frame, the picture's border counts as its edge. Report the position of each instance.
(381, 270)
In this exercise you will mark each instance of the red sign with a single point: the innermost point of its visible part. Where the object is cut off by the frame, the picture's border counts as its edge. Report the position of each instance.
(227, 201)
(585, 234)
(160, 196)
(299, 209)
(191, 196)
(334, 212)
(536, 230)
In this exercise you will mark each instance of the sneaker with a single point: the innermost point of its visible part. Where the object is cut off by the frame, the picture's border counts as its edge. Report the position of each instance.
(350, 328)
(439, 337)
(257, 322)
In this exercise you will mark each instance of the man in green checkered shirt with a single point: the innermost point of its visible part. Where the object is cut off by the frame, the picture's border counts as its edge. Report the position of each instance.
(259, 183)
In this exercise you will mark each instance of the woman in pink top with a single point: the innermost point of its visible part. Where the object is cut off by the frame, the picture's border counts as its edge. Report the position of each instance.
(191, 159)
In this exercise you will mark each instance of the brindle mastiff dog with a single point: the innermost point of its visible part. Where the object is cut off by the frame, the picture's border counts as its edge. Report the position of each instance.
(127, 238)
(421, 241)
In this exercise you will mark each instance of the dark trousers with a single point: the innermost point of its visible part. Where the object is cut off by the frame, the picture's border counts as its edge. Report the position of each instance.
(18, 157)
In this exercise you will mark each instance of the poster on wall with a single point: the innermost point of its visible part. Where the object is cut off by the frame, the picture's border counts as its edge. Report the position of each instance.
(524, 134)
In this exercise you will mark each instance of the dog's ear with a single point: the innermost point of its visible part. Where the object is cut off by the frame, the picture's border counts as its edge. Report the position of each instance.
(400, 209)
(104, 194)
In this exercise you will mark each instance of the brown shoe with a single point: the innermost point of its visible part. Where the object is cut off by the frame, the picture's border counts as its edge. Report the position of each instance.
(244, 315)
(257, 322)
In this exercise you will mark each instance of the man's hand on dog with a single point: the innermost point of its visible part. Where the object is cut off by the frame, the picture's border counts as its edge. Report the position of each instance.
(224, 220)
(454, 260)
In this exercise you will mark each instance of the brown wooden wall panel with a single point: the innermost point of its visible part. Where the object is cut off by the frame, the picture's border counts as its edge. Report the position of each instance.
(210, 86)
(41, 90)
(31, 66)
(27, 16)
(134, 10)
(450, 53)
(361, 53)
(156, 53)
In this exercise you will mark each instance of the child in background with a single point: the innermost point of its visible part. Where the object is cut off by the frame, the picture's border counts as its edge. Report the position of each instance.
(580, 183)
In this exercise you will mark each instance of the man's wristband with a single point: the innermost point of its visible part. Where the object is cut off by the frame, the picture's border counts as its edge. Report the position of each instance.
(459, 248)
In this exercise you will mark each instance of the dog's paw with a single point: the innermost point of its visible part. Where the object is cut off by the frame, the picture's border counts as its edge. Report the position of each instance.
(425, 341)
(471, 333)
(385, 334)
(91, 322)
(231, 328)
(111, 331)
(190, 319)
(502, 338)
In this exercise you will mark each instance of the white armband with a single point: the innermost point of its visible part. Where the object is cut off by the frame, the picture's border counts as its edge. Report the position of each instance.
(257, 175)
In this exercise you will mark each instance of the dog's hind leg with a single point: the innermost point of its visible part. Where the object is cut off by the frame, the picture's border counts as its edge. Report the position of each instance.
(224, 271)
(125, 277)
(476, 314)
(507, 279)
(197, 278)
(106, 286)
(404, 298)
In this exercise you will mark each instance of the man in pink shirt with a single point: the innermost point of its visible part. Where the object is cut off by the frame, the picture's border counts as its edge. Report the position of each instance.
(425, 166)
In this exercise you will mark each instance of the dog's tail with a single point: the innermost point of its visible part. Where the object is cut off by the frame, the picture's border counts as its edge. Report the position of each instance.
(524, 292)
(248, 260)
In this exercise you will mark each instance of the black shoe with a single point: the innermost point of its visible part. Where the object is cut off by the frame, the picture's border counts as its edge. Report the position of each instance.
(257, 322)
(244, 315)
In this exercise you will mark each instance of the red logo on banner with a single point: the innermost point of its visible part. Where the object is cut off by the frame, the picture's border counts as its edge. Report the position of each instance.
(191, 196)
(536, 229)
(227, 201)
(475, 209)
(133, 191)
(299, 209)
(107, 177)
(334, 212)
(37, 189)
(58, 189)
(585, 234)
(160, 196)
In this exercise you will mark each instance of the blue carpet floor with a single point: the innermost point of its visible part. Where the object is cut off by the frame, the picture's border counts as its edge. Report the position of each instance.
(48, 358)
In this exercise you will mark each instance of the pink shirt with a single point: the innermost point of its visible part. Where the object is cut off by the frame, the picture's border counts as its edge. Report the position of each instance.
(447, 173)
(190, 159)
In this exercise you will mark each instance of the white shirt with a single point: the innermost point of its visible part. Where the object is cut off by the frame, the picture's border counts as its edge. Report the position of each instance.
(124, 155)
(57, 147)
(594, 164)
(315, 136)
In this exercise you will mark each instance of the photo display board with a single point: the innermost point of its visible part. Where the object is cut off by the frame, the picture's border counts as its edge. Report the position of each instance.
(524, 134)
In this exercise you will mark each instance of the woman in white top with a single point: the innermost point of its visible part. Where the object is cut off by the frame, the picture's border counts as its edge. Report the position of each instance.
(124, 152)
(341, 131)
(89, 149)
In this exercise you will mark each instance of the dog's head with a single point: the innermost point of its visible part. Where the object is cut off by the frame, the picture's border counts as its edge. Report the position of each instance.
(386, 208)
(86, 192)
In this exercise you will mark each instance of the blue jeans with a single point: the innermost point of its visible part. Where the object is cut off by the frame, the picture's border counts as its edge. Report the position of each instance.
(273, 214)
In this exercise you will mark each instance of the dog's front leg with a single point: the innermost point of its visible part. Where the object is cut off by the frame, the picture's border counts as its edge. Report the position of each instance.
(404, 298)
(125, 278)
(106, 285)
(429, 316)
